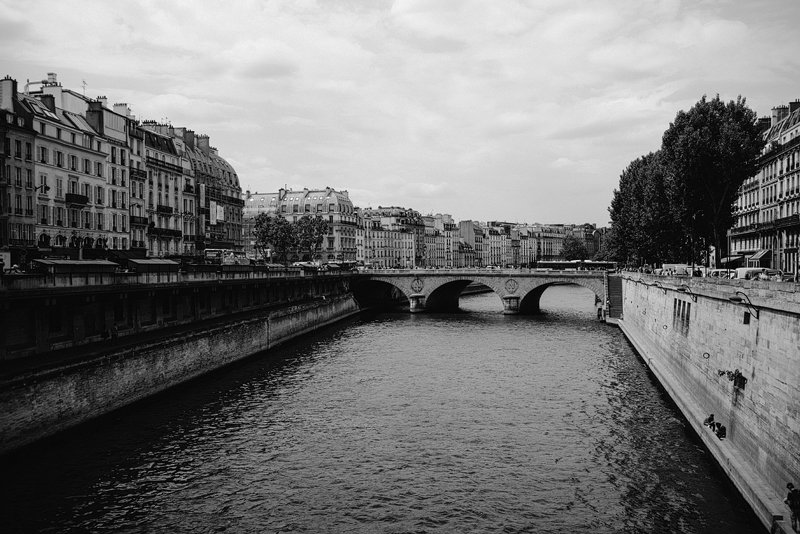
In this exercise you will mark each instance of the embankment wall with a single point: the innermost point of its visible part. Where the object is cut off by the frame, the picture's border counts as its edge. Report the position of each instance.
(690, 334)
(42, 402)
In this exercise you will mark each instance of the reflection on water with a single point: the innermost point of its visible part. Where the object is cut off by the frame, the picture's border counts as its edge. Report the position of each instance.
(395, 423)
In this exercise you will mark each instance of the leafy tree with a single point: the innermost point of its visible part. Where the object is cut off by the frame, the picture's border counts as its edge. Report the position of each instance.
(710, 151)
(644, 226)
(311, 232)
(574, 249)
(275, 233)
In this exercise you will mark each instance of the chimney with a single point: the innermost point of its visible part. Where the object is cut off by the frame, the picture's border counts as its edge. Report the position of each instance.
(122, 109)
(779, 113)
(8, 93)
(794, 106)
(204, 144)
(764, 123)
(49, 102)
(103, 100)
(188, 138)
(52, 78)
(94, 115)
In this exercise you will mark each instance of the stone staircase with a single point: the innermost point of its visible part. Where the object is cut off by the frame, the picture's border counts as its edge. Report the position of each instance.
(614, 293)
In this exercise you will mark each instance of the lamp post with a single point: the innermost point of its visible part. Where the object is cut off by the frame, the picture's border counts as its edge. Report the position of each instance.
(740, 297)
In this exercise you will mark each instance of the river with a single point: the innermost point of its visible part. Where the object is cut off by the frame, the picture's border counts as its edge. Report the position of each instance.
(397, 423)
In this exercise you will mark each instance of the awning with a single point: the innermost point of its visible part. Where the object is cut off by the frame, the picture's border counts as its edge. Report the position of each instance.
(731, 259)
(760, 254)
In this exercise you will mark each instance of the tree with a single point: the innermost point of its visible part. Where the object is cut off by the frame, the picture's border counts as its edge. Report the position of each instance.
(275, 233)
(311, 232)
(709, 152)
(644, 225)
(574, 249)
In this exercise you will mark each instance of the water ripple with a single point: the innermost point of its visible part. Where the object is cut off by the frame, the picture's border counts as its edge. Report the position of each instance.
(400, 423)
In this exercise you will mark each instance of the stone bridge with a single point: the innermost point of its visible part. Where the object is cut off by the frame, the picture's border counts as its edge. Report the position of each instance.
(520, 289)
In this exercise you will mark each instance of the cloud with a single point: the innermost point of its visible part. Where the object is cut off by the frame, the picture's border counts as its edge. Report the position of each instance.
(506, 109)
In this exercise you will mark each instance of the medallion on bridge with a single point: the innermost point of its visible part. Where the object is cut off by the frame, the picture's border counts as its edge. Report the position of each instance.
(511, 285)
(417, 285)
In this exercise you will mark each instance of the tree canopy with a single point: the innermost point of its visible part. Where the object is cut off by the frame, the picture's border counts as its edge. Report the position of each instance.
(574, 249)
(672, 204)
(276, 234)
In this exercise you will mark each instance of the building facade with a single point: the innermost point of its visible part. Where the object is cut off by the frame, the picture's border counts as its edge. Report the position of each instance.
(766, 231)
(334, 206)
(17, 176)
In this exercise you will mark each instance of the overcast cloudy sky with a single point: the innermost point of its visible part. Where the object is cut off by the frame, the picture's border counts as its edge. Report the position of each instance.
(486, 109)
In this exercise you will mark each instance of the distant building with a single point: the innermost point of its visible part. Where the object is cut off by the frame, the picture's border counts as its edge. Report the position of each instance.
(334, 206)
(394, 237)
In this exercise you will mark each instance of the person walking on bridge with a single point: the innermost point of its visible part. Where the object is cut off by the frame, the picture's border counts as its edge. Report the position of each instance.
(792, 500)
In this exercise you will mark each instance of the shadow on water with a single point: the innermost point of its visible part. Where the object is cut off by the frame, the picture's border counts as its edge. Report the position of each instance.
(43, 480)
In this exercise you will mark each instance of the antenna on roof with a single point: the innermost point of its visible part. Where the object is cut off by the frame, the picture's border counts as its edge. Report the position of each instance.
(83, 83)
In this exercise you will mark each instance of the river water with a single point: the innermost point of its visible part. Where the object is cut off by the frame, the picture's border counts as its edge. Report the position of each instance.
(399, 423)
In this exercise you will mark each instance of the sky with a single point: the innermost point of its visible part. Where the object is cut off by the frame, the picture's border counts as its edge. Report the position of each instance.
(519, 111)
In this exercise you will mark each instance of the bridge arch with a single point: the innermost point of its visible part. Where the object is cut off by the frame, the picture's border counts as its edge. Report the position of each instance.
(520, 291)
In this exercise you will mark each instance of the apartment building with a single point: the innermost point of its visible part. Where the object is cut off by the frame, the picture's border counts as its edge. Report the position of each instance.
(766, 230)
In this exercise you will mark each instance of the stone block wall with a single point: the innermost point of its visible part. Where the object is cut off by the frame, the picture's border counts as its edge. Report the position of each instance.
(39, 404)
(691, 339)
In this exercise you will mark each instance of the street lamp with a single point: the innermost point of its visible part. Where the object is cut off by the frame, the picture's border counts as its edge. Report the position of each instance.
(43, 187)
(740, 297)
(688, 291)
(658, 285)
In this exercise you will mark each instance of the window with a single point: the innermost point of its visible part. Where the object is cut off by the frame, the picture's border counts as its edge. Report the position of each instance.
(87, 166)
(28, 178)
(43, 154)
(99, 194)
(99, 169)
(59, 158)
(59, 188)
(17, 148)
(28, 151)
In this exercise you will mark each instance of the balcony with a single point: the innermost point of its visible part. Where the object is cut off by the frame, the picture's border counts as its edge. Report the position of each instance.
(188, 189)
(155, 162)
(139, 221)
(76, 199)
(164, 232)
(164, 209)
(791, 220)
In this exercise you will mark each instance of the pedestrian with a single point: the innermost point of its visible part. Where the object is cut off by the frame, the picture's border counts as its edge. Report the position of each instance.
(792, 500)
(721, 431)
(709, 421)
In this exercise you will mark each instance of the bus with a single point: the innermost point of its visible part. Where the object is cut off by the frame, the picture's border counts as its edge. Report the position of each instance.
(578, 265)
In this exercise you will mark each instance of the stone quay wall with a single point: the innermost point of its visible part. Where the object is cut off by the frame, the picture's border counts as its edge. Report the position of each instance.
(694, 338)
(44, 392)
